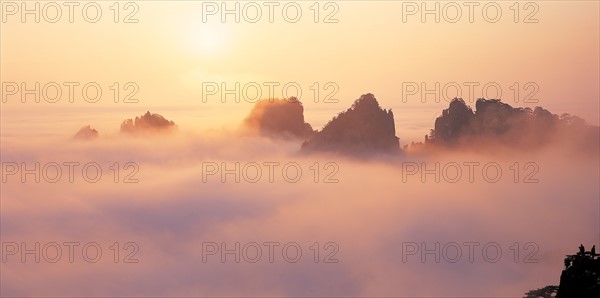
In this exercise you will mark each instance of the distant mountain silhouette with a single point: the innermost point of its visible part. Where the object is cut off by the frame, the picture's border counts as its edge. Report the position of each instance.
(86, 133)
(364, 128)
(147, 123)
(499, 123)
(279, 118)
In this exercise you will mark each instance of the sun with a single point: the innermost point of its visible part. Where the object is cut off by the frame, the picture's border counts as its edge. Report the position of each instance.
(210, 40)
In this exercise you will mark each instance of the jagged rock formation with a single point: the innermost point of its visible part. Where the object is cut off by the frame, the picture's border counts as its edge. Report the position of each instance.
(364, 128)
(86, 133)
(453, 122)
(496, 123)
(279, 118)
(148, 123)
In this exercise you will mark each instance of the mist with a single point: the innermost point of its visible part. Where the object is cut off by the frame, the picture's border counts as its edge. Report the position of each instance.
(373, 219)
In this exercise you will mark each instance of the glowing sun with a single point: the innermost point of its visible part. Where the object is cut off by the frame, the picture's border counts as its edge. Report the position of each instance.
(210, 40)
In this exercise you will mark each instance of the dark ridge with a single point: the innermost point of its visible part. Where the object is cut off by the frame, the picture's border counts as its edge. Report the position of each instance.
(147, 123)
(363, 129)
(498, 123)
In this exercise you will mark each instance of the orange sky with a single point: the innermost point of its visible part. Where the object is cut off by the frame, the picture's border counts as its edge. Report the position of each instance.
(170, 52)
(162, 62)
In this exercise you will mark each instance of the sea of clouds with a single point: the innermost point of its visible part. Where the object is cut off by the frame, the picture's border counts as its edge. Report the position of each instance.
(376, 221)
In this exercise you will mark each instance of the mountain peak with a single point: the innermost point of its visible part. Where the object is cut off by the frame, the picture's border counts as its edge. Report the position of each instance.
(362, 129)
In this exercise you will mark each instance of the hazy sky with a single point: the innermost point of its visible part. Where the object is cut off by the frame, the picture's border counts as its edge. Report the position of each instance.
(171, 62)
(170, 52)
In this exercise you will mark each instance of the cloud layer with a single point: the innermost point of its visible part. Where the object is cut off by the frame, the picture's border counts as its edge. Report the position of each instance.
(366, 216)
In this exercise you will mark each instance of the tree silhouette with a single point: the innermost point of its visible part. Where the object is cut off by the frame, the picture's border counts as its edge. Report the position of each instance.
(545, 292)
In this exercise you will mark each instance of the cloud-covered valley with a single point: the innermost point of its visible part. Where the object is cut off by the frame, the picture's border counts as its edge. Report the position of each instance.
(366, 216)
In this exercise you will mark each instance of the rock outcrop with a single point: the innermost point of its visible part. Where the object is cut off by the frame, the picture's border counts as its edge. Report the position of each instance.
(455, 121)
(278, 118)
(86, 133)
(363, 129)
(148, 124)
(498, 123)
(581, 276)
